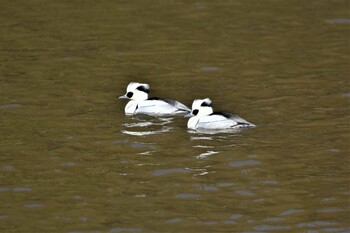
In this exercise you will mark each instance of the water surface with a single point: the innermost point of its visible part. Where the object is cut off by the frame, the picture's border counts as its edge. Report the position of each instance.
(71, 161)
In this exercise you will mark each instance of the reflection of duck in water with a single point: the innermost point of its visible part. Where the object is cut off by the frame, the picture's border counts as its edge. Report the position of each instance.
(139, 102)
(147, 126)
(203, 117)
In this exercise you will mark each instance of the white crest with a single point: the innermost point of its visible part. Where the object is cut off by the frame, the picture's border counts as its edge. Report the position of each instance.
(134, 85)
(137, 91)
(203, 106)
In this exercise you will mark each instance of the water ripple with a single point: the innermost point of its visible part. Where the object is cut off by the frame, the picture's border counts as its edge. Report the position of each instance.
(209, 68)
(120, 229)
(143, 145)
(163, 172)
(244, 163)
(235, 216)
(273, 219)
(207, 154)
(187, 195)
(270, 182)
(230, 222)
(202, 146)
(201, 138)
(208, 222)
(225, 184)
(3, 106)
(339, 21)
(289, 212)
(174, 220)
(148, 123)
(33, 206)
(206, 187)
(317, 224)
(337, 229)
(16, 189)
(144, 133)
(244, 192)
(330, 210)
(271, 228)
(7, 168)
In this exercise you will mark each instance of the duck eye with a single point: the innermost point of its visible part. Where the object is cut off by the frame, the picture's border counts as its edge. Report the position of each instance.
(195, 112)
(129, 94)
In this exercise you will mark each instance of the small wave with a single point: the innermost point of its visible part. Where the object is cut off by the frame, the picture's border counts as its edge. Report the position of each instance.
(163, 172)
(145, 133)
(206, 154)
(244, 163)
(147, 123)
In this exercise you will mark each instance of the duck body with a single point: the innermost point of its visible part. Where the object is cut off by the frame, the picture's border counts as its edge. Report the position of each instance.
(218, 120)
(139, 103)
(203, 117)
(156, 106)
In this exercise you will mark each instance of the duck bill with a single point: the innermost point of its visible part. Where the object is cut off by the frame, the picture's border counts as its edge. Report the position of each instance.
(123, 97)
(189, 115)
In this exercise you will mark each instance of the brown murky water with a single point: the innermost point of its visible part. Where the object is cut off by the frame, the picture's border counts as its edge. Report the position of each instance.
(72, 162)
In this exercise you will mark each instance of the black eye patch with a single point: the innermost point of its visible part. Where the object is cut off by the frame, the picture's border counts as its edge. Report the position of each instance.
(195, 112)
(205, 104)
(142, 88)
(129, 94)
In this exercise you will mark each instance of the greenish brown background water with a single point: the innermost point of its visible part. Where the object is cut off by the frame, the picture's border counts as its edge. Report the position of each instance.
(71, 161)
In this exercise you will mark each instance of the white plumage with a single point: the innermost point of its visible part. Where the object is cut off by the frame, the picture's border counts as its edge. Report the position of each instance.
(203, 117)
(139, 102)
